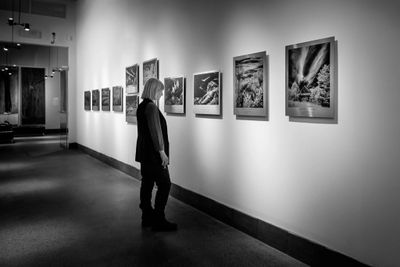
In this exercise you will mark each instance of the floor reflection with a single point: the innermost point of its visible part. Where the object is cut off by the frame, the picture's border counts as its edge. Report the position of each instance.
(27, 186)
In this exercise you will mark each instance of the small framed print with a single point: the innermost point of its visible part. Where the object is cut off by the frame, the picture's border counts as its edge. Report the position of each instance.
(105, 99)
(250, 85)
(96, 100)
(132, 79)
(150, 69)
(174, 97)
(132, 103)
(87, 100)
(117, 98)
(207, 93)
(310, 76)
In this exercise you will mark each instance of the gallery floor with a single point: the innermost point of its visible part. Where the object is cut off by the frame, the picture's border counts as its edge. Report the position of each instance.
(64, 208)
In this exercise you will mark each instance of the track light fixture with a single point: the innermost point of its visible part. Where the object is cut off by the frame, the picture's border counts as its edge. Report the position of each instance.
(48, 69)
(11, 21)
(27, 26)
(53, 38)
(8, 70)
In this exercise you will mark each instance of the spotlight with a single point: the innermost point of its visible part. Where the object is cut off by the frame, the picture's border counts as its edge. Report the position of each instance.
(27, 27)
(5, 48)
(18, 44)
(6, 68)
(10, 21)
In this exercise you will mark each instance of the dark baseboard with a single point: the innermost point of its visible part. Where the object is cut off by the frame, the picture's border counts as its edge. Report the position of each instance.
(73, 145)
(130, 170)
(297, 247)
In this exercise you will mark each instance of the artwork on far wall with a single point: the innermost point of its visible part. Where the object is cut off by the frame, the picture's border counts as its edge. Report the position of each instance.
(96, 100)
(207, 93)
(117, 98)
(150, 69)
(87, 100)
(9, 90)
(174, 96)
(132, 103)
(63, 91)
(132, 79)
(250, 84)
(105, 99)
(310, 90)
(33, 99)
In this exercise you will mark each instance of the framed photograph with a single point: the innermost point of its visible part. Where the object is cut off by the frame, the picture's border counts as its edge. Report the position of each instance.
(250, 84)
(310, 90)
(96, 100)
(87, 100)
(117, 98)
(132, 103)
(132, 79)
(150, 69)
(174, 96)
(105, 99)
(207, 93)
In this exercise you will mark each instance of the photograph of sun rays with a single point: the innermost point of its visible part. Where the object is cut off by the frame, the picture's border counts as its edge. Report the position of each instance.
(309, 81)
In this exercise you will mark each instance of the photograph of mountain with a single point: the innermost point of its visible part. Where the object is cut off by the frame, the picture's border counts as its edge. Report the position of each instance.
(117, 98)
(96, 100)
(150, 69)
(87, 100)
(250, 74)
(174, 97)
(132, 79)
(105, 99)
(132, 103)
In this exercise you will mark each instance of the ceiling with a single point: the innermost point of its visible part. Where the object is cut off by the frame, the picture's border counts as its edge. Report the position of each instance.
(53, 8)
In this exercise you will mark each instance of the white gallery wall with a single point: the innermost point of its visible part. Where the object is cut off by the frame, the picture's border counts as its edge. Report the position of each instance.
(333, 182)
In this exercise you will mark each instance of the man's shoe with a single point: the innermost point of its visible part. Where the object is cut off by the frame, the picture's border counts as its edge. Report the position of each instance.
(164, 226)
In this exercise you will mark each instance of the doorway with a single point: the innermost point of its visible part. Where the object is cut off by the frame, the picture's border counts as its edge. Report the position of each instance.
(34, 90)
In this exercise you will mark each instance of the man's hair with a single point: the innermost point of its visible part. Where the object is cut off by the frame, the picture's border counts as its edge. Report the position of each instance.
(151, 87)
